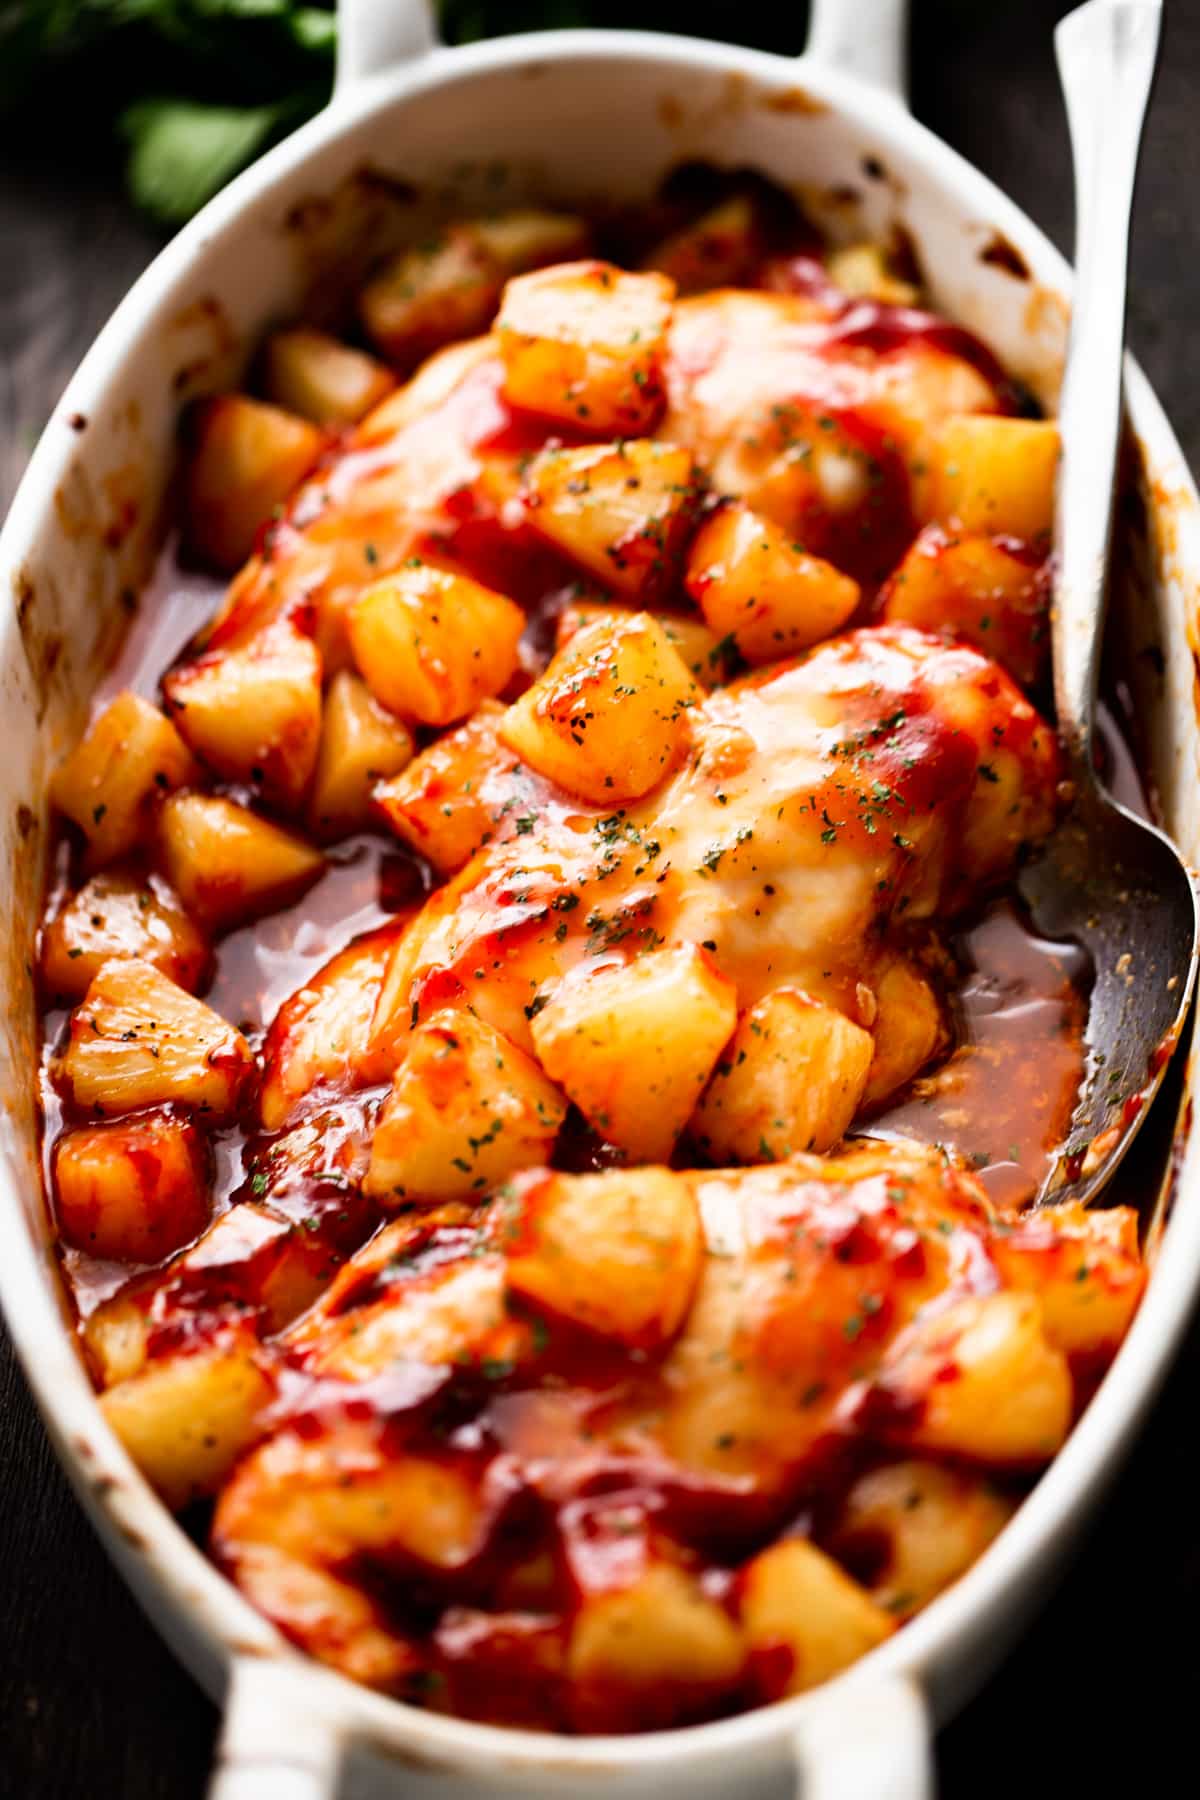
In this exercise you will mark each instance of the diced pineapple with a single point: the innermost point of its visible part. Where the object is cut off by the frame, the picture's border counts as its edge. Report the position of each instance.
(130, 756)
(584, 342)
(706, 659)
(528, 239)
(134, 1190)
(437, 803)
(719, 249)
(253, 713)
(929, 1523)
(790, 1081)
(633, 1047)
(139, 1040)
(322, 1033)
(228, 865)
(1084, 1267)
(257, 1258)
(984, 473)
(117, 1337)
(863, 269)
(644, 1654)
(980, 588)
(750, 580)
(361, 744)
(425, 297)
(246, 458)
(121, 912)
(431, 645)
(608, 718)
(185, 1421)
(796, 1599)
(908, 1030)
(978, 1380)
(621, 511)
(320, 378)
(466, 1110)
(619, 1252)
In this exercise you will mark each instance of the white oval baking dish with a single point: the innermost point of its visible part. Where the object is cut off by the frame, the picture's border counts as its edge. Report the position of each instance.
(562, 114)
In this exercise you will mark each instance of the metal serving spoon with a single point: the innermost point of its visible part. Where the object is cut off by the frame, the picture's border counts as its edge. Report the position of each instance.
(1105, 878)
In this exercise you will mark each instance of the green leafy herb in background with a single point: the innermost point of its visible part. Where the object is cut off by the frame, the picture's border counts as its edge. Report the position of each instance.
(196, 88)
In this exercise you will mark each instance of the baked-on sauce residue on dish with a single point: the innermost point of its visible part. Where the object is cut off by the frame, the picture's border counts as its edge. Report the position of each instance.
(543, 1060)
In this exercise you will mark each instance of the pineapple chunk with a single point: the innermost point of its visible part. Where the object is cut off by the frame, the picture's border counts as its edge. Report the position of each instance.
(863, 270)
(705, 658)
(438, 804)
(791, 1081)
(258, 1258)
(619, 510)
(720, 249)
(633, 1047)
(139, 1040)
(253, 713)
(645, 1654)
(1085, 1269)
(246, 458)
(608, 718)
(752, 582)
(121, 913)
(227, 864)
(619, 1252)
(981, 589)
(978, 1380)
(931, 1523)
(466, 1110)
(431, 645)
(360, 745)
(984, 473)
(427, 296)
(795, 1598)
(321, 379)
(529, 239)
(129, 757)
(584, 342)
(135, 1189)
(908, 1030)
(186, 1420)
(322, 1033)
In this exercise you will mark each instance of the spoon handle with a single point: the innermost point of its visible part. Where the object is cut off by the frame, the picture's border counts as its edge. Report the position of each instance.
(1107, 51)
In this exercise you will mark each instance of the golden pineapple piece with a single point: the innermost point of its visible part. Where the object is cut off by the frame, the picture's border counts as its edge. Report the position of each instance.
(529, 238)
(253, 712)
(139, 1040)
(228, 865)
(609, 718)
(466, 1110)
(129, 757)
(246, 458)
(584, 342)
(322, 1033)
(186, 1420)
(864, 271)
(985, 473)
(979, 1380)
(132, 1189)
(117, 1337)
(1085, 1268)
(121, 912)
(980, 588)
(791, 1080)
(929, 1523)
(642, 1655)
(752, 582)
(794, 1597)
(619, 1252)
(705, 657)
(621, 511)
(438, 804)
(908, 1029)
(426, 296)
(633, 1047)
(361, 744)
(321, 379)
(431, 645)
(719, 249)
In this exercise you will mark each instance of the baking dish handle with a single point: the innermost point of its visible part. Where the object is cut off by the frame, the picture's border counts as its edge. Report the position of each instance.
(277, 1743)
(374, 35)
(864, 38)
(867, 1740)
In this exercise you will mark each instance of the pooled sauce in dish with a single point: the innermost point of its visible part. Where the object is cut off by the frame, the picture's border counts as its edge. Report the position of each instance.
(543, 1060)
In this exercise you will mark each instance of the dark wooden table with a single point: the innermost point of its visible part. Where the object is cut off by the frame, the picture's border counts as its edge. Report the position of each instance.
(1099, 1694)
